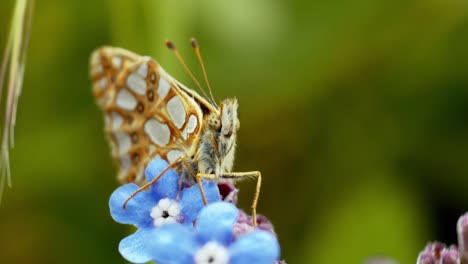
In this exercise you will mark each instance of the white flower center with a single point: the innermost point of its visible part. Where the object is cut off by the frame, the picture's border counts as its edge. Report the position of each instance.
(212, 253)
(165, 212)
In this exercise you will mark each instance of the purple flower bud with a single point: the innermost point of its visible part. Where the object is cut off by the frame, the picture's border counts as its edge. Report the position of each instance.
(241, 229)
(228, 192)
(434, 248)
(243, 218)
(264, 224)
(426, 258)
(244, 224)
(462, 230)
(449, 256)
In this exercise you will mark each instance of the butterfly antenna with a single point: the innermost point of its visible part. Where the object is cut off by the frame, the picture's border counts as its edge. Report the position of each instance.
(200, 60)
(170, 45)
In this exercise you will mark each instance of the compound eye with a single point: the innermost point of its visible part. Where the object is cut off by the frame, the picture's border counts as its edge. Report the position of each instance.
(229, 134)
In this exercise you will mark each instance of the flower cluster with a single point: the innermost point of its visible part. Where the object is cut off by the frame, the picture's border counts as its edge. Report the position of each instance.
(438, 253)
(174, 226)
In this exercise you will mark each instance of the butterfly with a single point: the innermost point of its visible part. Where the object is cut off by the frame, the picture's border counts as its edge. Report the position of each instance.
(149, 114)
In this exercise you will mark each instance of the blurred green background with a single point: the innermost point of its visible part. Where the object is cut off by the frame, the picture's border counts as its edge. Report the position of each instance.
(356, 112)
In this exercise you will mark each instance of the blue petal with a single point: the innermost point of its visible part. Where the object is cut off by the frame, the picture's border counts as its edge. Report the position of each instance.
(173, 243)
(216, 221)
(167, 185)
(191, 200)
(135, 248)
(138, 208)
(257, 247)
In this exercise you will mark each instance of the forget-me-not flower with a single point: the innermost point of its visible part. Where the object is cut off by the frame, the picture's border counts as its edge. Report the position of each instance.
(212, 241)
(162, 204)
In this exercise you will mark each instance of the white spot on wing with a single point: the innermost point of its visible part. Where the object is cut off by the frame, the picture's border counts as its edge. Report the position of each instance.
(192, 123)
(102, 83)
(190, 127)
(117, 120)
(123, 141)
(174, 154)
(117, 61)
(140, 174)
(163, 87)
(185, 134)
(176, 111)
(105, 99)
(98, 69)
(136, 83)
(143, 70)
(125, 164)
(158, 132)
(126, 100)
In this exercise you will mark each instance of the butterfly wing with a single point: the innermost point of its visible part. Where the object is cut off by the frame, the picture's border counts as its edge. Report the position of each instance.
(147, 113)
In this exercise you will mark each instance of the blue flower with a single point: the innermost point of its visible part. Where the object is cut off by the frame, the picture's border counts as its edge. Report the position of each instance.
(212, 240)
(163, 203)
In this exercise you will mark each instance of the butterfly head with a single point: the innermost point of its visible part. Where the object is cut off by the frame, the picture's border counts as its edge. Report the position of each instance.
(228, 115)
(224, 126)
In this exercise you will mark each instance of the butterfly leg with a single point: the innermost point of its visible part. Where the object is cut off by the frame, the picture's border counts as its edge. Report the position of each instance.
(184, 160)
(153, 181)
(198, 178)
(239, 176)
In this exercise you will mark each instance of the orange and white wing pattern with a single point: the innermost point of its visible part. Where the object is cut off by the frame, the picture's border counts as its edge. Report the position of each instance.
(147, 112)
